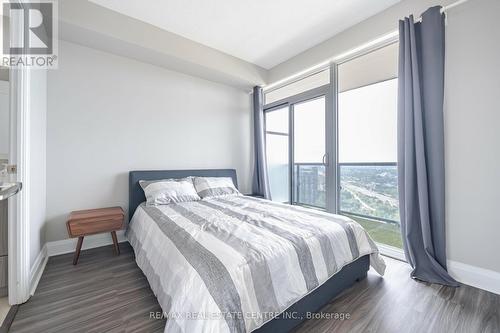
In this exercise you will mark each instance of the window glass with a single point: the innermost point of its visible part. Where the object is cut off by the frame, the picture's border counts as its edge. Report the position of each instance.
(367, 144)
(376, 66)
(277, 120)
(309, 131)
(277, 144)
(309, 150)
(277, 166)
(367, 123)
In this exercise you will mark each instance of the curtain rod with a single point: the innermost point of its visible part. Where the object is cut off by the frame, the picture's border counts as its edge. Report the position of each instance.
(454, 4)
(446, 8)
(311, 70)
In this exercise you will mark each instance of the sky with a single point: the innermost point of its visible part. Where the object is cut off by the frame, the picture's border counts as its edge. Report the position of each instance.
(367, 129)
(368, 123)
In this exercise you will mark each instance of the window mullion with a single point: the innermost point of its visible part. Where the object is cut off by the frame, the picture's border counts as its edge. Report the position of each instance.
(290, 152)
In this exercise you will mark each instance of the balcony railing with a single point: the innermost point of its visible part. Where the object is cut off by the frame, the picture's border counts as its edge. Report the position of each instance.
(367, 190)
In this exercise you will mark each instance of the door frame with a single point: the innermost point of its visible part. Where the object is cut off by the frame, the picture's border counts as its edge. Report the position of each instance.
(18, 225)
(19, 155)
(318, 92)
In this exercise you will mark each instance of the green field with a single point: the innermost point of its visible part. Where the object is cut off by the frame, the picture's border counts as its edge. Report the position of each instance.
(386, 233)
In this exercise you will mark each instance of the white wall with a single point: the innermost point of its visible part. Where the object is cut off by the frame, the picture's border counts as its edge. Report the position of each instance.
(472, 134)
(37, 163)
(108, 115)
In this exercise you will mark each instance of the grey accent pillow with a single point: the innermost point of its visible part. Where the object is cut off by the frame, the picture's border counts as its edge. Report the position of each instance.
(208, 187)
(166, 191)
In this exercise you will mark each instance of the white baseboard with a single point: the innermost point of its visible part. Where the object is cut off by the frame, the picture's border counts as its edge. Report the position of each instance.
(38, 268)
(475, 276)
(89, 242)
(66, 246)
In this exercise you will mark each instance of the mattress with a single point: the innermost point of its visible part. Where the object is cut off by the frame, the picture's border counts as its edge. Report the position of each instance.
(231, 264)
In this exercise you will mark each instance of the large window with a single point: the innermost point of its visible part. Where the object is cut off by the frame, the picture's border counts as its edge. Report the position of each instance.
(339, 157)
(367, 146)
(367, 160)
(367, 151)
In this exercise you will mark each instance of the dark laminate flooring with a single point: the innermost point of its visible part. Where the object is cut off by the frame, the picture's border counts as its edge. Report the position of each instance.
(103, 293)
(107, 293)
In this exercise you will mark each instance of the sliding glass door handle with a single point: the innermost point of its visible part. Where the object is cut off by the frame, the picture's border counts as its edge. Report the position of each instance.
(325, 159)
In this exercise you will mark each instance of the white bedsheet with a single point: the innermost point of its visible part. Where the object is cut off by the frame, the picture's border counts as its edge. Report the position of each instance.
(230, 264)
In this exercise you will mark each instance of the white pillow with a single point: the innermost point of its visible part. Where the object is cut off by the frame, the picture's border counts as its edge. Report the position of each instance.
(165, 191)
(208, 187)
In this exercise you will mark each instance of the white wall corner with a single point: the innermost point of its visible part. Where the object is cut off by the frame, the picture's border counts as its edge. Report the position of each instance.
(89, 242)
(475, 276)
(37, 269)
(66, 246)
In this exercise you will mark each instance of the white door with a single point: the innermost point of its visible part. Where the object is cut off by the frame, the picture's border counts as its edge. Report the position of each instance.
(4, 120)
(4, 159)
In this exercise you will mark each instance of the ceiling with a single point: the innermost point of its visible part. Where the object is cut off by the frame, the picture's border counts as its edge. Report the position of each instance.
(263, 32)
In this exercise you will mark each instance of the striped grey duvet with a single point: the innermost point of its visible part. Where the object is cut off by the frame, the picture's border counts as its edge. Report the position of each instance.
(230, 264)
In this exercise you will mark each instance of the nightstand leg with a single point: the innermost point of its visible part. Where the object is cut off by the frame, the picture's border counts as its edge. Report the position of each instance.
(78, 248)
(116, 248)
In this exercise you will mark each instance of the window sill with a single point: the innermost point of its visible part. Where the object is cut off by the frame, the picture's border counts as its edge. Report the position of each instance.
(391, 251)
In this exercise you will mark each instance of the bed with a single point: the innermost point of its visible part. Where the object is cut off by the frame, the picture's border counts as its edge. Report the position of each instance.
(243, 264)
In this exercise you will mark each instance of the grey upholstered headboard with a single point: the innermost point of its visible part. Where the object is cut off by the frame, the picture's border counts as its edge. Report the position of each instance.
(136, 194)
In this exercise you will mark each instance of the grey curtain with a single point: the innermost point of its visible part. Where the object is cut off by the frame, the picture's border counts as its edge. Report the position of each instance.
(260, 184)
(421, 146)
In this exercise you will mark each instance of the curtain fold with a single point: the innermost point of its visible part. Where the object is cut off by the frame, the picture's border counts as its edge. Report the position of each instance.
(260, 184)
(421, 146)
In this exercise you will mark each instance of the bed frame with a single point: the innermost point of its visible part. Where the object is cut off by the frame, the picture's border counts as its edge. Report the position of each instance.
(296, 313)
